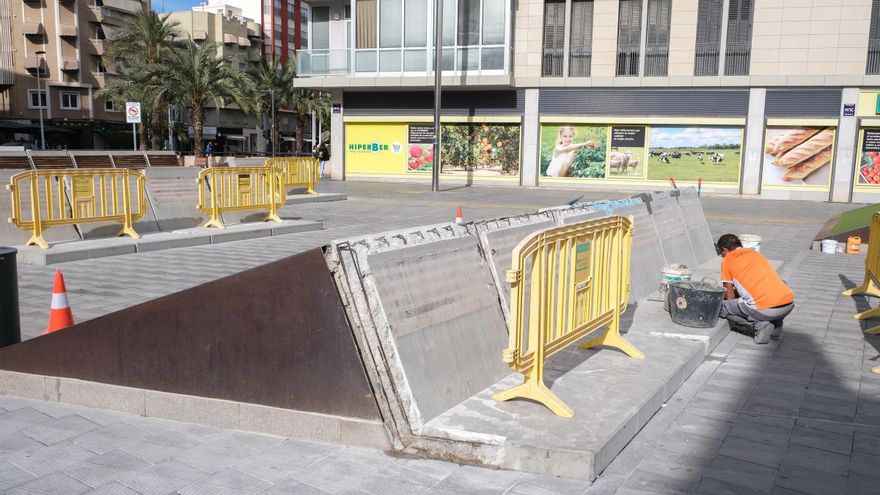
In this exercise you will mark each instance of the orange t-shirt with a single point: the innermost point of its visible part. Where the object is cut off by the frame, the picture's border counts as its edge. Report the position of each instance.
(755, 280)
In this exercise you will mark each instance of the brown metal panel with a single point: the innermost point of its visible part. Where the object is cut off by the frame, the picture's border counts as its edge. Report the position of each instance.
(274, 335)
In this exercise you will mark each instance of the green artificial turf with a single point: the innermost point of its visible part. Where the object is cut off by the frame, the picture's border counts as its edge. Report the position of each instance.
(854, 219)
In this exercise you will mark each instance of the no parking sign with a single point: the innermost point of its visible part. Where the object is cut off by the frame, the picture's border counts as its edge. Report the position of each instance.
(133, 112)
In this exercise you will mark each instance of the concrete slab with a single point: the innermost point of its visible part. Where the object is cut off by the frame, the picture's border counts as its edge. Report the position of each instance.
(696, 225)
(115, 246)
(613, 397)
(649, 318)
(499, 236)
(647, 252)
(670, 227)
(296, 199)
(174, 197)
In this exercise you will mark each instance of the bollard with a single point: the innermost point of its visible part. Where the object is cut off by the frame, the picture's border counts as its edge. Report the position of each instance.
(10, 325)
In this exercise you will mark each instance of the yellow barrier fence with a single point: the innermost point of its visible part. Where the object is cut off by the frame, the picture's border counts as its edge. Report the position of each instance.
(871, 284)
(54, 197)
(566, 283)
(228, 189)
(299, 171)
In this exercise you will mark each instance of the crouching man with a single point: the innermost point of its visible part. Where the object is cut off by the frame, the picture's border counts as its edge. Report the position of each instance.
(757, 300)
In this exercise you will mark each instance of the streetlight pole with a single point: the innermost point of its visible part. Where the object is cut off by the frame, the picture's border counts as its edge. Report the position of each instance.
(40, 54)
(438, 72)
(273, 124)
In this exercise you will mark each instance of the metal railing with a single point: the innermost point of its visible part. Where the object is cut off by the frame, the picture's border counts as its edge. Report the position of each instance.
(48, 198)
(656, 60)
(228, 189)
(871, 284)
(737, 57)
(579, 61)
(300, 171)
(706, 59)
(873, 66)
(551, 65)
(628, 60)
(566, 283)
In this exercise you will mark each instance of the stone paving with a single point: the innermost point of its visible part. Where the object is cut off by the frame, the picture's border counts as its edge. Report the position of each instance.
(800, 416)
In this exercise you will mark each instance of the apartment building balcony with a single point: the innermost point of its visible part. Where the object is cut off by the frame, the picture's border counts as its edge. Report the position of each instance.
(128, 6)
(69, 63)
(380, 62)
(33, 29)
(873, 66)
(109, 16)
(100, 46)
(67, 31)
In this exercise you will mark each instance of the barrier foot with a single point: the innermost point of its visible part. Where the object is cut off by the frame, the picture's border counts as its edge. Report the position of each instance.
(867, 314)
(876, 369)
(610, 339)
(873, 331)
(311, 191)
(214, 222)
(538, 392)
(38, 240)
(867, 289)
(129, 231)
(272, 216)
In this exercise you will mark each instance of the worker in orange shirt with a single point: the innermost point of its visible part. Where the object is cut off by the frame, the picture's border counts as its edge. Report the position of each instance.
(757, 300)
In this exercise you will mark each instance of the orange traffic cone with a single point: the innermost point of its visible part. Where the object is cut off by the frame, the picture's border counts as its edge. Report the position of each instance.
(59, 313)
(458, 219)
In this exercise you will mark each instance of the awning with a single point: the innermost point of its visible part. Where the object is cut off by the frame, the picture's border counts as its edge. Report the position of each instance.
(130, 6)
(234, 137)
(230, 39)
(32, 28)
(199, 35)
(69, 63)
(67, 31)
(242, 41)
(32, 63)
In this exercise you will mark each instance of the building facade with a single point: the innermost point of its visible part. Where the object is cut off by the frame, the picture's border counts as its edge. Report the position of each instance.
(284, 23)
(743, 96)
(61, 41)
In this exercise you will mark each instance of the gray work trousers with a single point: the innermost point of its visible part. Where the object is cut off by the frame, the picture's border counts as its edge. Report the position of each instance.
(747, 320)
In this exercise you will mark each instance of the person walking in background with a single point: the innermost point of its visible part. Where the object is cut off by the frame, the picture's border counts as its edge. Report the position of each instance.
(323, 155)
(209, 148)
(757, 300)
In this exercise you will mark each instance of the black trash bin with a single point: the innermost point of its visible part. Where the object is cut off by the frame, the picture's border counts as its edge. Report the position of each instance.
(10, 325)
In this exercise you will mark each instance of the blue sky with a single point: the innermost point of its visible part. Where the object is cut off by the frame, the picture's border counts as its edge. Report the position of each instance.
(173, 5)
(674, 137)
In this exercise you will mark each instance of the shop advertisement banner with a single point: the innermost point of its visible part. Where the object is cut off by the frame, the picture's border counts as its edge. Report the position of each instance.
(573, 151)
(420, 148)
(798, 156)
(627, 158)
(689, 153)
(480, 150)
(372, 148)
(869, 165)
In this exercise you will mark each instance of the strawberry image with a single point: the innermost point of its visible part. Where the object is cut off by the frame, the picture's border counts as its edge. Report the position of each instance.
(415, 151)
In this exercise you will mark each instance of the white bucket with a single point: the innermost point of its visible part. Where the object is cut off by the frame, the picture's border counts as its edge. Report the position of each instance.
(829, 246)
(750, 241)
(675, 272)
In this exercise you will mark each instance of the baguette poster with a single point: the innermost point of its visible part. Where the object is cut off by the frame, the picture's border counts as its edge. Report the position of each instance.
(798, 156)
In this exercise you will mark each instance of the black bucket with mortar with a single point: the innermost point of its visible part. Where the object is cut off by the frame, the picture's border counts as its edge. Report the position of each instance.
(695, 304)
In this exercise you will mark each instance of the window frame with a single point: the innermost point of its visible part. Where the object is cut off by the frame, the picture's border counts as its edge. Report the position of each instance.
(44, 99)
(62, 94)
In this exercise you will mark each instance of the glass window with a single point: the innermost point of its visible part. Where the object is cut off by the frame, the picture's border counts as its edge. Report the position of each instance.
(554, 32)
(390, 23)
(581, 38)
(69, 100)
(366, 24)
(449, 18)
(739, 38)
(36, 99)
(416, 26)
(657, 42)
(493, 22)
(110, 106)
(629, 33)
(320, 28)
(468, 22)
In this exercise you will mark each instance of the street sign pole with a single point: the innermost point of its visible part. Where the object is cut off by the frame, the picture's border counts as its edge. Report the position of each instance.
(133, 117)
(438, 72)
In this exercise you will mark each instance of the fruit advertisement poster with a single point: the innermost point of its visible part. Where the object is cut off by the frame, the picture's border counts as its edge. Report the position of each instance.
(710, 153)
(869, 165)
(476, 149)
(798, 156)
(574, 151)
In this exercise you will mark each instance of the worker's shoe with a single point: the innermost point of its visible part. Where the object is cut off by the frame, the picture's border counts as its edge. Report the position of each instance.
(777, 330)
(763, 330)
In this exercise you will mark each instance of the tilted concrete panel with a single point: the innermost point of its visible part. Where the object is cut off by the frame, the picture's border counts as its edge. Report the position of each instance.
(174, 196)
(697, 227)
(670, 226)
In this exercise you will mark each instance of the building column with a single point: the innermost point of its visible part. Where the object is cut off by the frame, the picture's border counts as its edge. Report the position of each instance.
(531, 132)
(845, 149)
(754, 141)
(337, 137)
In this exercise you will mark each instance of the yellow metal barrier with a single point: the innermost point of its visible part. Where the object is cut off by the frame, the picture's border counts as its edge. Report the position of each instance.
(871, 284)
(229, 189)
(569, 282)
(53, 197)
(299, 171)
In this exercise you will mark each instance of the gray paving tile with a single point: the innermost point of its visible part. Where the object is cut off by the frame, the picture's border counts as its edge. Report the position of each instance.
(51, 484)
(172, 468)
(60, 429)
(120, 459)
(110, 437)
(232, 478)
(113, 488)
(149, 484)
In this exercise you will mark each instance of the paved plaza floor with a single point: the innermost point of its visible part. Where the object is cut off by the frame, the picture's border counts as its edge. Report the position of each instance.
(800, 416)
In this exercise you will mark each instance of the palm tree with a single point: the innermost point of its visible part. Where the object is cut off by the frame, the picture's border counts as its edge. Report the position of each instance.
(142, 44)
(195, 77)
(304, 102)
(128, 84)
(275, 79)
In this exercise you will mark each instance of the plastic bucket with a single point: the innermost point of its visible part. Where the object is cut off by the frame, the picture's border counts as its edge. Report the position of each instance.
(695, 304)
(829, 246)
(751, 241)
(673, 272)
